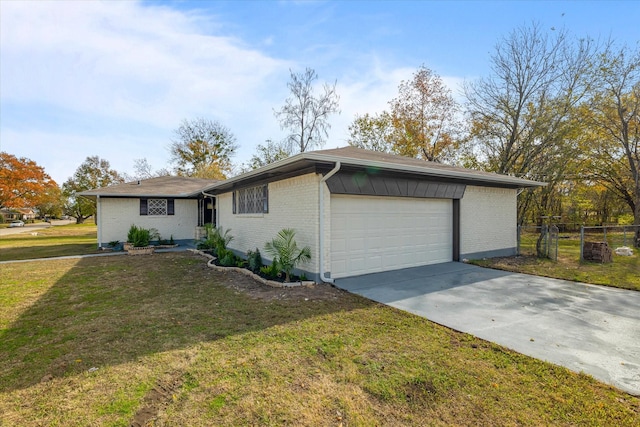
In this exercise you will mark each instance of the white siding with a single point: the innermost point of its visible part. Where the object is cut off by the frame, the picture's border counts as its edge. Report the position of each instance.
(115, 216)
(488, 221)
(293, 203)
(372, 234)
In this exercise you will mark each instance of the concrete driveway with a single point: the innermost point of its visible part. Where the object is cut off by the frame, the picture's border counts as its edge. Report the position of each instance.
(586, 328)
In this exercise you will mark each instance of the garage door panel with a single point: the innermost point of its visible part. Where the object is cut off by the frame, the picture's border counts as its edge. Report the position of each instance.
(385, 233)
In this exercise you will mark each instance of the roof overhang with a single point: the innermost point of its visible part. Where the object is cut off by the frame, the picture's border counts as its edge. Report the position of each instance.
(322, 163)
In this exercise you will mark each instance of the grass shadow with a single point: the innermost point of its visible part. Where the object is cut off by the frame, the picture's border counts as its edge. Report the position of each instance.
(106, 311)
(47, 251)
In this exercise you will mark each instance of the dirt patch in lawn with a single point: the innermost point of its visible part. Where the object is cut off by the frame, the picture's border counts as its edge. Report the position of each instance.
(160, 395)
(254, 289)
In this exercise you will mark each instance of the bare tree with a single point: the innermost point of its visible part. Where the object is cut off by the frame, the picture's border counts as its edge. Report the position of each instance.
(613, 118)
(523, 115)
(305, 115)
(142, 169)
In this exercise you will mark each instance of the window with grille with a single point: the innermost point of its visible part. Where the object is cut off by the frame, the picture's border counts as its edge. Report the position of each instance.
(157, 207)
(251, 200)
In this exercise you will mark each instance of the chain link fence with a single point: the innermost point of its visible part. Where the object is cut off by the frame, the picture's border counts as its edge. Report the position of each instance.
(568, 241)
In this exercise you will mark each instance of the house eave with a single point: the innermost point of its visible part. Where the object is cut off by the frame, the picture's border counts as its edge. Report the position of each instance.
(322, 163)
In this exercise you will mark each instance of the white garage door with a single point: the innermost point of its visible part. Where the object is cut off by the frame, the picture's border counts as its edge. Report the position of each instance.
(373, 234)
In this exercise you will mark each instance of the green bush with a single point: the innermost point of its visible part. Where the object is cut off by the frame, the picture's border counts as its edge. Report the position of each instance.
(216, 241)
(227, 258)
(270, 271)
(254, 260)
(141, 237)
(285, 252)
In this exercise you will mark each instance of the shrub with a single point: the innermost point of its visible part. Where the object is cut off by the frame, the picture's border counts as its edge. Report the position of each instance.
(132, 233)
(254, 260)
(285, 252)
(270, 271)
(217, 240)
(227, 258)
(141, 237)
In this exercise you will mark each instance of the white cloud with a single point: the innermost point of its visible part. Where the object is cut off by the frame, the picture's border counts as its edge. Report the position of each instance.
(119, 59)
(114, 79)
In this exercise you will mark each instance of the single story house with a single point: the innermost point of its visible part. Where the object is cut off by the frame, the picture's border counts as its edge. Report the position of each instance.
(25, 214)
(173, 205)
(359, 211)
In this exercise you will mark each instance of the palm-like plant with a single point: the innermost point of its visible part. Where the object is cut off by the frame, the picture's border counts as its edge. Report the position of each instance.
(286, 253)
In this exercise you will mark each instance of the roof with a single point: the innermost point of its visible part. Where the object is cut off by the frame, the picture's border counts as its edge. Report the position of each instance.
(358, 158)
(312, 161)
(162, 187)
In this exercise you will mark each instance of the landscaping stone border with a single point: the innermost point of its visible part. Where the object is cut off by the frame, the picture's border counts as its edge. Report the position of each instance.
(256, 277)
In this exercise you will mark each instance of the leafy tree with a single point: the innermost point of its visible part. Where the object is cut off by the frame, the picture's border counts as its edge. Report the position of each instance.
(94, 172)
(51, 203)
(372, 132)
(523, 115)
(305, 115)
(613, 119)
(423, 116)
(269, 153)
(203, 148)
(22, 182)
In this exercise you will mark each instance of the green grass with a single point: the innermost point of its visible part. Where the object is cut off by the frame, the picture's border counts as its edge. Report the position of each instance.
(198, 347)
(64, 240)
(623, 272)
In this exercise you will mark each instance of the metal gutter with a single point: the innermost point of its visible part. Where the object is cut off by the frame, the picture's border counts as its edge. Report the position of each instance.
(458, 174)
(321, 222)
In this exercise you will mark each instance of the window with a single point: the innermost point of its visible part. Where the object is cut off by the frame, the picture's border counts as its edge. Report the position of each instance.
(157, 207)
(251, 200)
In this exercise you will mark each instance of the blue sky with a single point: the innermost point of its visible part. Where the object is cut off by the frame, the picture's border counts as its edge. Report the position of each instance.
(114, 79)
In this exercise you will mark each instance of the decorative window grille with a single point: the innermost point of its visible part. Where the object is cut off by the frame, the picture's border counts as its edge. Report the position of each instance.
(251, 200)
(157, 207)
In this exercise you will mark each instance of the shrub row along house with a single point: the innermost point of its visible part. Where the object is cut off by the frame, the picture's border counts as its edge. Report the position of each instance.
(359, 211)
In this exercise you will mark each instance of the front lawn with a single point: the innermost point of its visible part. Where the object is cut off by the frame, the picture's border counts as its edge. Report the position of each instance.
(164, 340)
(60, 240)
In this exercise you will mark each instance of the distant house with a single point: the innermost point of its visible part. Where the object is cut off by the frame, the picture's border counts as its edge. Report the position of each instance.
(360, 211)
(18, 213)
(27, 213)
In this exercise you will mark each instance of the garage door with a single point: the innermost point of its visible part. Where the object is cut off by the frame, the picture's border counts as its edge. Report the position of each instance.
(373, 234)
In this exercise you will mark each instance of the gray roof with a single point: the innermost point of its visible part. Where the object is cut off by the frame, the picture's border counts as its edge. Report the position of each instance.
(163, 187)
(322, 161)
(352, 157)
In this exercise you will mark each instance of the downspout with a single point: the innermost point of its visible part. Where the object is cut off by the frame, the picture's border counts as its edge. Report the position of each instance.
(321, 208)
(99, 224)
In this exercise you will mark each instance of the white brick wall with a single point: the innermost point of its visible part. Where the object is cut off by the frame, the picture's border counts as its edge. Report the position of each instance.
(115, 216)
(293, 203)
(488, 221)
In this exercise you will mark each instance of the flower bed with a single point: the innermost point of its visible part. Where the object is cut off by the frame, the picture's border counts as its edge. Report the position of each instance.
(273, 283)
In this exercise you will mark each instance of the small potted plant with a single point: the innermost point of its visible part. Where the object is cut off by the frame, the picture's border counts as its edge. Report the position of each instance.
(139, 239)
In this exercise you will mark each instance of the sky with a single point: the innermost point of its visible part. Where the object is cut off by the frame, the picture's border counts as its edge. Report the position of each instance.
(114, 79)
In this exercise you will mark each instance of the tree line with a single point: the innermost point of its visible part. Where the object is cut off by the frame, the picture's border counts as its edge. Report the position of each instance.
(554, 108)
